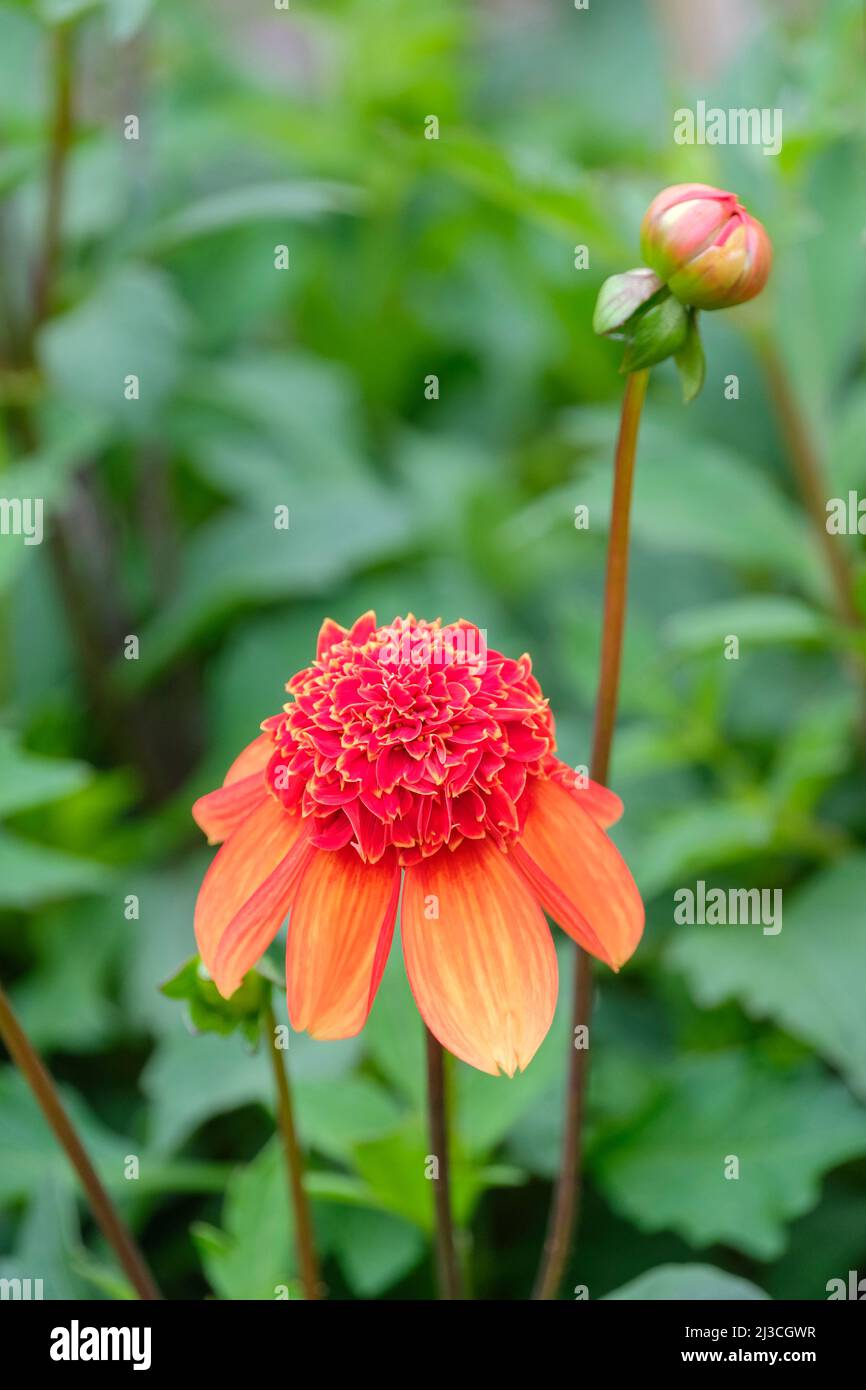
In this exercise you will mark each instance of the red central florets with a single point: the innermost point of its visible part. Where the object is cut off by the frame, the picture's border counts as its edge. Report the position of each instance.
(414, 736)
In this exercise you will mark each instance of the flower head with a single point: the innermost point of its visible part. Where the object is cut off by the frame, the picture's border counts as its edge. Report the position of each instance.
(413, 755)
(705, 246)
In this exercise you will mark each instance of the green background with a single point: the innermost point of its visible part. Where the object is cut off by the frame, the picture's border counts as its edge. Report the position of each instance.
(305, 388)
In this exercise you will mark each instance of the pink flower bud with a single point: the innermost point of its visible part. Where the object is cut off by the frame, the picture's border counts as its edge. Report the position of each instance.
(710, 252)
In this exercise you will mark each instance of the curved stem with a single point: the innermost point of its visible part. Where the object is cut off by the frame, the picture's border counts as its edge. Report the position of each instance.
(450, 1284)
(39, 1079)
(566, 1196)
(294, 1162)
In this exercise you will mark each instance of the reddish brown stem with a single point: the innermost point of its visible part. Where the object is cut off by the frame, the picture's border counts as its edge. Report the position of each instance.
(39, 1079)
(450, 1283)
(300, 1206)
(567, 1191)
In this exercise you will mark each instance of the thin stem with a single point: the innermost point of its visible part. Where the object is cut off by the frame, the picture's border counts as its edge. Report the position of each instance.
(58, 153)
(809, 473)
(566, 1196)
(294, 1162)
(38, 1078)
(450, 1284)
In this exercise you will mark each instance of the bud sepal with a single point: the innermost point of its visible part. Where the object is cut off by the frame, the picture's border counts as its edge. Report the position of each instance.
(654, 334)
(621, 296)
(690, 360)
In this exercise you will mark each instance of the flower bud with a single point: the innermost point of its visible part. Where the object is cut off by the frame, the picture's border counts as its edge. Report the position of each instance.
(710, 252)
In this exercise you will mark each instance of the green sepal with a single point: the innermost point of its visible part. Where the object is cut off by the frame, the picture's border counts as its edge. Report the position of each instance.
(621, 296)
(659, 332)
(690, 360)
(209, 1012)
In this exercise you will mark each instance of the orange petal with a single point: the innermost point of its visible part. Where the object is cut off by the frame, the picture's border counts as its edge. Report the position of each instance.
(220, 813)
(266, 844)
(483, 972)
(578, 874)
(254, 758)
(603, 805)
(339, 937)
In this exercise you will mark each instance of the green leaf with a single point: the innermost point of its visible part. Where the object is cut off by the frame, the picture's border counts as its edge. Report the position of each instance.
(254, 1254)
(132, 323)
(758, 620)
(33, 1157)
(241, 558)
(375, 1249)
(693, 496)
(808, 978)
(191, 1078)
(336, 1114)
(560, 197)
(395, 1170)
(688, 1283)
(700, 836)
(667, 1171)
(817, 749)
(32, 874)
(299, 201)
(234, 1075)
(65, 1003)
(30, 780)
(49, 1245)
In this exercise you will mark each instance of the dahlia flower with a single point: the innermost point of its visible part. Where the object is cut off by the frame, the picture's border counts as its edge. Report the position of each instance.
(412, 754)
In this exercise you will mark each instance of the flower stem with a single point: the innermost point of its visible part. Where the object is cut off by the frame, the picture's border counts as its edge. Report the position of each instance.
(39, 1079)
(809, 474)
(294, 1162)
(566, 1196)
(450, 1284)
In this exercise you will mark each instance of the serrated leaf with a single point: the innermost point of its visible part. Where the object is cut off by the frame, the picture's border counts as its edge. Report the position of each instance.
(808, 978)
(254, 1254)
(786, 1129)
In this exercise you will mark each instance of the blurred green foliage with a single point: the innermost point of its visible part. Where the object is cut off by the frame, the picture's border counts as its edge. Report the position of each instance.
(305, 388)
